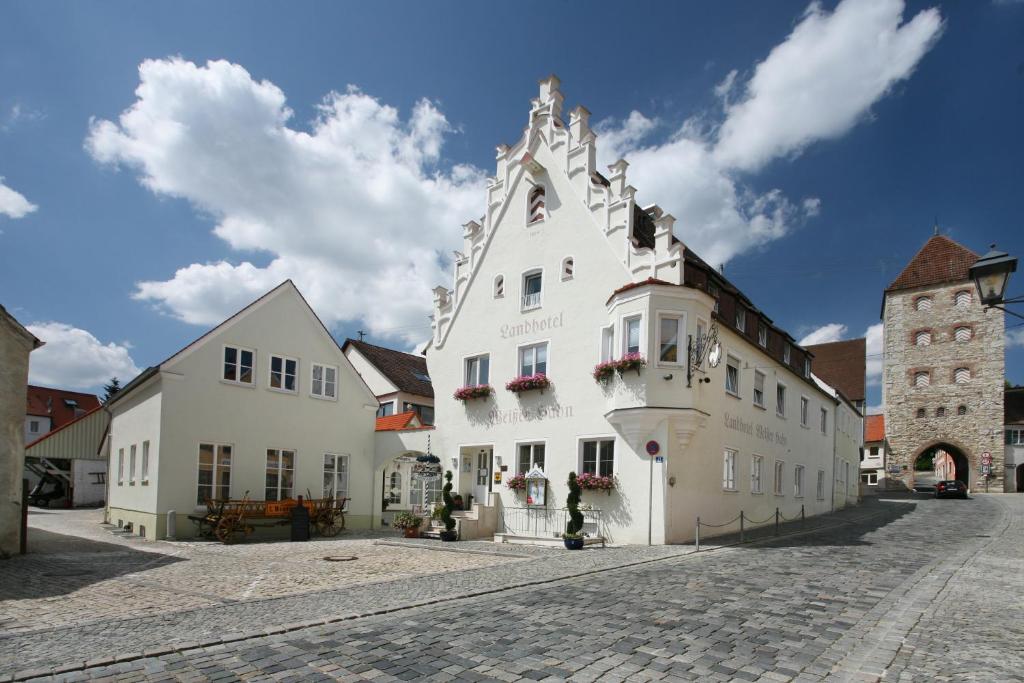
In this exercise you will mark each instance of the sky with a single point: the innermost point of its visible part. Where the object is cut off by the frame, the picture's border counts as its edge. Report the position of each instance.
(163, 164)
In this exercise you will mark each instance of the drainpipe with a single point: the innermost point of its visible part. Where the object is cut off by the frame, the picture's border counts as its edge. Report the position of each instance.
(650, 502)
(835, 454)
(106, 479)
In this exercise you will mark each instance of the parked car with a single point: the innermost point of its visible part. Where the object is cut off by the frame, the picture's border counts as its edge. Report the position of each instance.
(951, 489)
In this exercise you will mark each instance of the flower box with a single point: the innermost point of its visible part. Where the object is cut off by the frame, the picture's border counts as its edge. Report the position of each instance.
(474, 391)
(517, 482)
(528, 383)
(631, 361)
(603, 372)
(595, 482)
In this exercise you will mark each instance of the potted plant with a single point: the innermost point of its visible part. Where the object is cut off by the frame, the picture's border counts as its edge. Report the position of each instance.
(595, 482)
(517, 482)
(631, 361)
(528, 383)
(408, 522)
(573, 537)
(449, 533)
(469, 393)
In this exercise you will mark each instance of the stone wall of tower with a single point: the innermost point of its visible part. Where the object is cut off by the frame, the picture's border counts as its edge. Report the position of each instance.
(980, 429)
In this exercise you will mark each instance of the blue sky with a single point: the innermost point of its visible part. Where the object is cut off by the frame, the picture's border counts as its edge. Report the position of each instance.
(123, 237)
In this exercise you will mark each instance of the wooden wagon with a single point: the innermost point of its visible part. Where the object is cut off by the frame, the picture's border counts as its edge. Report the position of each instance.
(227, 520)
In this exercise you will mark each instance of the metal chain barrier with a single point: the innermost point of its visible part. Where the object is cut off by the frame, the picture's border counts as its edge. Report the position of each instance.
(777, 518)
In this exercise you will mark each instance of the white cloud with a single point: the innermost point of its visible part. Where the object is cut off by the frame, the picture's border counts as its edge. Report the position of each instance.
(1015, 337)
(13, 204)
(824, 78)
(815, 85)
(357, 210)
(831, 332)
(74, 359)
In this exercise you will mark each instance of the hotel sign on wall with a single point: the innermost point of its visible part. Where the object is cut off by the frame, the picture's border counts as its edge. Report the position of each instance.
(765, 433)
(498, 416)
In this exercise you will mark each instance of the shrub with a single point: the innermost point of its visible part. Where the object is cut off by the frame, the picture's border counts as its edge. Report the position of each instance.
(406, 520)
(449, 503)
(574, 527)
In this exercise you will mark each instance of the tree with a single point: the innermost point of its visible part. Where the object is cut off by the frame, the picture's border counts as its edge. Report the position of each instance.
(574, 527)
(110, 389)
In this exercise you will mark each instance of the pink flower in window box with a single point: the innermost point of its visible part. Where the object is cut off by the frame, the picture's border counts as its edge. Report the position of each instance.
(474, 391)
(528, 383)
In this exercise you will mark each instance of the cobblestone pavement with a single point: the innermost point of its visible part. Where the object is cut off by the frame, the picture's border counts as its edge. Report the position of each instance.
(852, 601)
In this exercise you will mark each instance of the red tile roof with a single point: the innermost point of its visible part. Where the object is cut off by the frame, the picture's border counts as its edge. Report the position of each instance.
(51, 403)
(939, 260)
(400, 422)
(842, 364)
(874, 428)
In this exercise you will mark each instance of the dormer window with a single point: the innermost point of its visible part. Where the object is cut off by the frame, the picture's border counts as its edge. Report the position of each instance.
(499, 286)
(531, 290)
(762, 335)
(714, 293)
(741, 318)
(536, 211)
(786, 350)
(807, 368)
(568, 268)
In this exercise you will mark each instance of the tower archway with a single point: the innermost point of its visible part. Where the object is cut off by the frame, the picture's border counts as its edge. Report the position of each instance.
(941, 461)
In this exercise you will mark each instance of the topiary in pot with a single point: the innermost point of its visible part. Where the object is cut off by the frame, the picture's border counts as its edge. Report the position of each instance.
(573, 536)
(449, 533)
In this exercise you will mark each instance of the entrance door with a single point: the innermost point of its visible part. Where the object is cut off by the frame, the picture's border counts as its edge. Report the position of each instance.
(482, 476)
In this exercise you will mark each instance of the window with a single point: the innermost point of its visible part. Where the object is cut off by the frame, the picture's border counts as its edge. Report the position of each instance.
(874, 450)
(756, 465)
(759, 389)
(144, 475)
(922, 378)
(631, 338)
(478, 370)
(238, 364)
(531, 290)
(804, 406)
(530, 455)
(336, 476)
(962, 334)
(33, 426)
(395, 489)
(962, 299)
(715, 294)
(762, 335)
(824, 421)
(780, 399)
(780, 474)
(131, 465)
(568, 268)
(961, 375)
(324, 382)
(920, 412)
(280, 474)
(120, 466)
(533, 359)
(741, 318)
(424, 413)
(670, 331)
(599, 457)
(732, 376)
(499, 286)
(923, 303)
(425, 490)
(214, 472)
(807, 368)
(729, 470)
(1015, 437)
(798, 481)
(940, 412)
(535, 210)
(961, 410)
(820, 492)
(786, 351)
(607, 343)
(923, 338)
(282, 373)
(386, 409)
(870, 478)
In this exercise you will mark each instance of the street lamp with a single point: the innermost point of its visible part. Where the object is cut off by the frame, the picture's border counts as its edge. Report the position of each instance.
(990, 274)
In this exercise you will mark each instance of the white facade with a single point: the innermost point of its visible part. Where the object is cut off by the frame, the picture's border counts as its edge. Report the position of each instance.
(217, 423)
(872, 467)
(36, 426)
(391, 398)
(613, 280)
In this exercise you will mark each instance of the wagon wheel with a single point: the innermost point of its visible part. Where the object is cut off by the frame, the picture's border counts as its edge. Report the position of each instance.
(226, 529)
(326, 524)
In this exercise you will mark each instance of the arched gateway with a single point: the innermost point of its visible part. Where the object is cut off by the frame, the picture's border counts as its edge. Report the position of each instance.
(941, 461)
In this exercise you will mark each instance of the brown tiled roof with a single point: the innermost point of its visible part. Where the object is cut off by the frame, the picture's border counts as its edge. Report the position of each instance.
(1013, 406)
(54, 404)
(842, 364)
(874, 428)
(406, 371)
(939, 260)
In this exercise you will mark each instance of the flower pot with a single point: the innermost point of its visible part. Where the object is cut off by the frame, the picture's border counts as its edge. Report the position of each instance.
(412, 532)
(573, 543)
(449, 536)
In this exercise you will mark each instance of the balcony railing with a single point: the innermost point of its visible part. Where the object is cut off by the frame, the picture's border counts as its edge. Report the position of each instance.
(531, 301)
(545, 522)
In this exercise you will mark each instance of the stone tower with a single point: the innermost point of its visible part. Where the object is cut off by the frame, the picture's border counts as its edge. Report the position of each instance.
(942, 368)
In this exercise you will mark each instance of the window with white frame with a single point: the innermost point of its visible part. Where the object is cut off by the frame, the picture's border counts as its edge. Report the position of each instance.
(280, 478)
(214, 472)
(33, 426)
(607, 343)
(870, 478)
(324, 381)
(821, 485)
(335, 476)
(533, 359)
(670, 332)
(386, 409)
(786, 351)
(807, 367)
(478, 370)
(798, 481)
(962, 299)
(741, 318)
(729, 470)
(962, 334)
(922, 378)
(804, 408)
(532, 290)
(923, 338)
(923, 303)
(762, 334)
(530, 455)
(824, 421)
(568, 268)
(780, 399)
(131, 465)
(780, 475)
(631, 335)
(283, 373)
(535, 207)
(759, 388)
(395, 489)
(238, 365)
(499, 286)
(120, 466)
(1014, 437)
(961, 375)
(756, 473)
(598, 456)
(732, 375)
(144, 474)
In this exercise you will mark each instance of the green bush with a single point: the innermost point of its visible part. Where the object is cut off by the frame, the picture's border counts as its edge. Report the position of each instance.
(574, 527)
(449, 503)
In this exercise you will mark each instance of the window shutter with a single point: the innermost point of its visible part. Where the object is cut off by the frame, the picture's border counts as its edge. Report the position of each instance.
(962, 334)
(961, 375)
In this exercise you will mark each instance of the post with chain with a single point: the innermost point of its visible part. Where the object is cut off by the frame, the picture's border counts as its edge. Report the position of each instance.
(803, 518)
(697, 537)
(741, 526)
(776, 521)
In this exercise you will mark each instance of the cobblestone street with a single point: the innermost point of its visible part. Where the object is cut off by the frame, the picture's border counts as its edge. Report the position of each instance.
(870, 593)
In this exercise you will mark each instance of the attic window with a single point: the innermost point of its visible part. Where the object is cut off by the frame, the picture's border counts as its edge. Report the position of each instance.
(536, 211)
(70, 403)
(421, 377)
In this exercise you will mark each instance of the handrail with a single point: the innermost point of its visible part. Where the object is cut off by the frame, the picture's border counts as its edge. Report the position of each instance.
(744, 520)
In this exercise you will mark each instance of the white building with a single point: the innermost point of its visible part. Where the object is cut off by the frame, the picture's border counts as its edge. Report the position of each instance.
(264, 405)
(566, 270)
(1013, 417)
(399, 380)
(872, 467)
